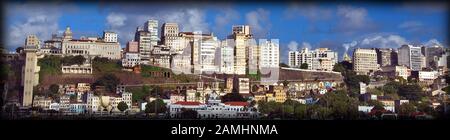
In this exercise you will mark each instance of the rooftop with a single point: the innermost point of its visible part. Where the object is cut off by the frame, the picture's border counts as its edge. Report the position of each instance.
(188, 103)
(237, 103)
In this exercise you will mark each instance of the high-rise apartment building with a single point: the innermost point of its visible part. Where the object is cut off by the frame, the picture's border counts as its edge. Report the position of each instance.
(386, 56)
(321, 59)
(241, 35)
(170, 37)
(253, 56)
(225, 57)
(433, 54)
(145, 47)
(410, 56)
(365, 61)
(192, 41)
(270, 54)
(151, 26)
(207, 55)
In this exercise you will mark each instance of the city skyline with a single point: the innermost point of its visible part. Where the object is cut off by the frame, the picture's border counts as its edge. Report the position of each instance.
(296, 25)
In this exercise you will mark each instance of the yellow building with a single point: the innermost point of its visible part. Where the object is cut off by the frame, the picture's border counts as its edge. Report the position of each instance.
(280, 94)
(259, 97)
(270, 97)
(365, 61)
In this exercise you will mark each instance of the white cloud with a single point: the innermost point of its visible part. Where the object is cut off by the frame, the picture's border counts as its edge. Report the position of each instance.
(34, 18)
(226, 16)
(349, 45)
(115, 20)
(432, 42)
(410, 24)
(383, 41)
(293, 46)
(352, 17)
(41, 25)
(306, 45)
(310, 11)
(259, 22)
(188, 20)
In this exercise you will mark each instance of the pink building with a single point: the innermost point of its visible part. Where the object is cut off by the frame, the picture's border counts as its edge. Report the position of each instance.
(132, 46)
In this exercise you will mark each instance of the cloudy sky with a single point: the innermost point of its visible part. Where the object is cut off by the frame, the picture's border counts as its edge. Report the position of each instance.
(339, 26)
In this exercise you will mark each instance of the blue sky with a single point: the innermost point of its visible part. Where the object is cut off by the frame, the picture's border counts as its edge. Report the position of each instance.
(338, 26)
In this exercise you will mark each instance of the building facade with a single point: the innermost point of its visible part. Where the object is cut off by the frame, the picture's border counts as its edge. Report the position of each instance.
(320, 59)
(365, 61)
(90, 46)
(386, 56)
(270, 54)
(410, 56)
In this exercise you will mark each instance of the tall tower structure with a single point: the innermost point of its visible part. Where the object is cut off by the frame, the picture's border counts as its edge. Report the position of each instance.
(30, 75)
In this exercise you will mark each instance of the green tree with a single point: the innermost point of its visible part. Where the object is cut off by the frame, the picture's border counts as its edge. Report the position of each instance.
(110, 81)
(406, 109)
(122, 106)
(54, 88)
(285, 83)
(188, 113)
(79, 60)
(230, 97)
(340, 104)
(300, 111)
(411, 92)
(156, 90)
(339, 68)
(375, 91)
(377, 105)
(391, 87)
(283, 65)
(157, 105)
(304, 66)
(139, 94)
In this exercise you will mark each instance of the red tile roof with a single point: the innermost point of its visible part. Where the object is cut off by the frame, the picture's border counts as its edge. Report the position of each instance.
(237, 103)
(188, 103)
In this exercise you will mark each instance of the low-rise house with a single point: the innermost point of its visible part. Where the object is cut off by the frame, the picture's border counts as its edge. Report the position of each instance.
(42, 102)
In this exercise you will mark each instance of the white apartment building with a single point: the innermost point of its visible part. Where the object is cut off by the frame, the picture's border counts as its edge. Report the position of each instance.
(42, 102)
(171, 38)
(109, 36)
(151, 26)
(130, 60)
(428, 75)
(225, 57)
(321, 59)
(207, 53)
(181, 63)
(145, 47)
(365, 61)
(243, 85)
(127, 98)
(64, 102)
(92, 102)
(411, 57)
(270, 54)
(253, 55)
